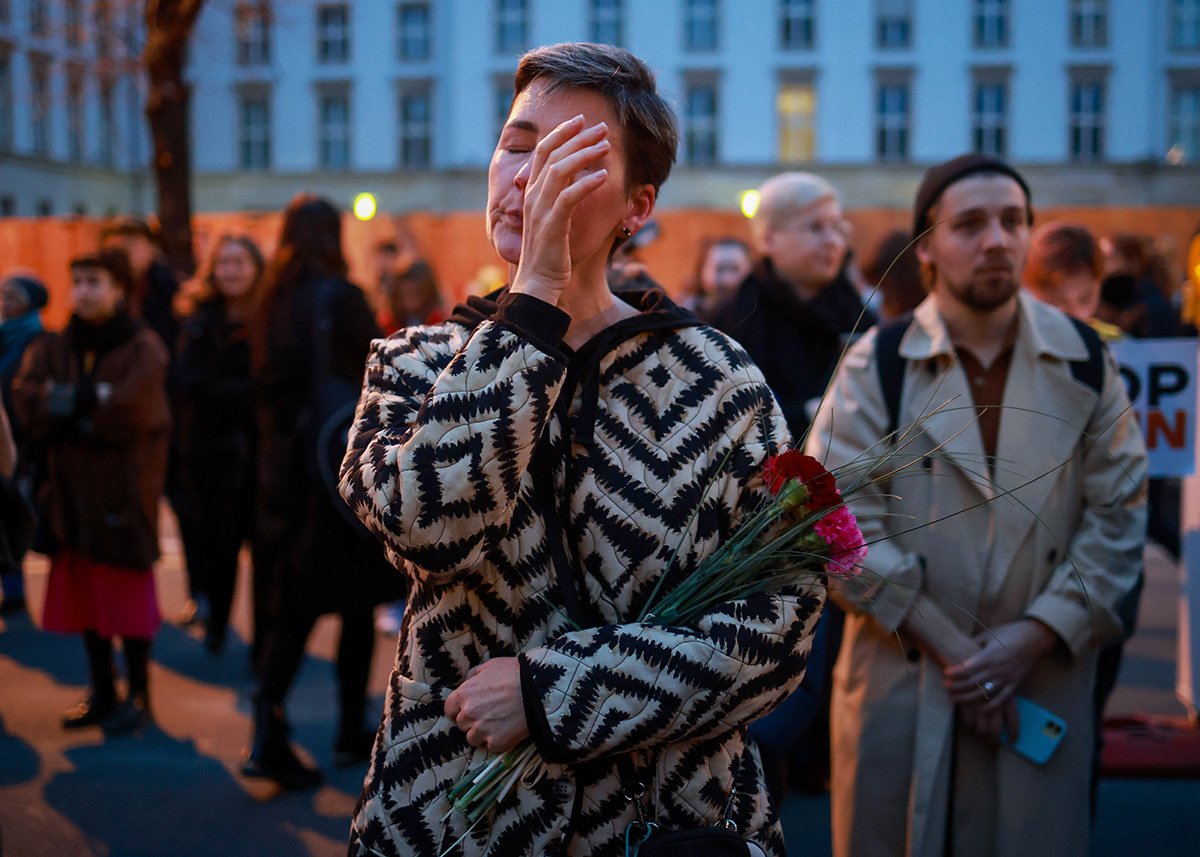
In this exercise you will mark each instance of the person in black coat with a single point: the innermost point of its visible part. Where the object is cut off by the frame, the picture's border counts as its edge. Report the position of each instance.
(311, 557)
(795, 313)
(215, 426)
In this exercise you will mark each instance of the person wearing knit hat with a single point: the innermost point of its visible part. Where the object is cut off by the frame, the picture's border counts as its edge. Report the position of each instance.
(20, 292)
(1003, 558)
(22, 295)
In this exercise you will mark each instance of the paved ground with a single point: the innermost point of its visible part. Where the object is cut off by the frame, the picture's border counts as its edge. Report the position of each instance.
(174, 790)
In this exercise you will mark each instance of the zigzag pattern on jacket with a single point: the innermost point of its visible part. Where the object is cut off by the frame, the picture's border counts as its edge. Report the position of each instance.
(462, 440)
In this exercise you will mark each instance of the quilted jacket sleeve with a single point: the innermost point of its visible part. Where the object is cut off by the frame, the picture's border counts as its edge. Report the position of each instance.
(618, 688)
(440, 441)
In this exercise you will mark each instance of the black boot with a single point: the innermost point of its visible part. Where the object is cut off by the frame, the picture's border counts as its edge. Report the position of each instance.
(91, 711)
(271, 757)
(102, 700)
(131, 715)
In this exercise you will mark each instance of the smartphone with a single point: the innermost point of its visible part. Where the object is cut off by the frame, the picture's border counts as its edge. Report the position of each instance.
(1041, 732)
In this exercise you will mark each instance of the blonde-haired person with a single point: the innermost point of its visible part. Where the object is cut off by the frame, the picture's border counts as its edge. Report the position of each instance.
(215, 426)
(797, 308)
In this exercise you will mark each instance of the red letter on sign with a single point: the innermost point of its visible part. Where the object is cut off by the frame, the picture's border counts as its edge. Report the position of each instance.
(1156, 423)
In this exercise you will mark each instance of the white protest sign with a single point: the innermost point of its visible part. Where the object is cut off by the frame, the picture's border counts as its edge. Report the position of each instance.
(1160, 375)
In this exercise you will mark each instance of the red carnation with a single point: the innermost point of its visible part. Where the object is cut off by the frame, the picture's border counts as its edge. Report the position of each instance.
(794, 464)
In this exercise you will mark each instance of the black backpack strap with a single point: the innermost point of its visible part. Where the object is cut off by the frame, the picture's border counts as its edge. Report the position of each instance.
(1089, 371)
(890, 366)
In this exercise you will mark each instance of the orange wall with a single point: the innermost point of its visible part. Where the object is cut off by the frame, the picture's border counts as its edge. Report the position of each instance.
(457, 248)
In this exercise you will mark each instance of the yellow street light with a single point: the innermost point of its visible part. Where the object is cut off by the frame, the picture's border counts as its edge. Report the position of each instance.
(365, 206)
(749, 202)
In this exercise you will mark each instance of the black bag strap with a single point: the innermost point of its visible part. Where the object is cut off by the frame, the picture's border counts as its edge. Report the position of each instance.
(1090, 370)
(890, 366)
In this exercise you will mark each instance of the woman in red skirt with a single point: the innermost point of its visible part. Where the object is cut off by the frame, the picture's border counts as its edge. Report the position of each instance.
(93, 395)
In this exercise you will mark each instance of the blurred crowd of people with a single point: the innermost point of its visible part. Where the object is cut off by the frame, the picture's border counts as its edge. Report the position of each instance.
(231, 397)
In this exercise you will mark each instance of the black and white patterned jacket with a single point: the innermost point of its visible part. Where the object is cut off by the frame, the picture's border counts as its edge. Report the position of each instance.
(517, 481)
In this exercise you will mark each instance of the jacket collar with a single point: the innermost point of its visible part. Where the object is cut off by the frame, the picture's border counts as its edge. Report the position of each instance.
(1041, 329)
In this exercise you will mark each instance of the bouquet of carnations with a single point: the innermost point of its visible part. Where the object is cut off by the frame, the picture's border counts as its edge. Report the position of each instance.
(802, 533)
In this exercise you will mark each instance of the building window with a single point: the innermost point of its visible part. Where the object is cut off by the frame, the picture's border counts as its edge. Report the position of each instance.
(700, 124)
(38, 20)
(45, 207)
(5, 11)
(796, 108)
(333, 33)
(6, 102)
(416, 127)
(991, 23)
(1184, 131)
(106, 153)
(606, 21)
(73, 22)
(512, 26)
(253, 34)
(1185, 24)
(893, 24)
(700, 25)
(1087, 119)
(75, 125)
(8, 206)
(254, 131)
(502, 99)
(989, 118)
(797, 25)
(892, 120)
(102, 26)
(334, 111)
(414, 31)
(1089, 23)
(39, 80)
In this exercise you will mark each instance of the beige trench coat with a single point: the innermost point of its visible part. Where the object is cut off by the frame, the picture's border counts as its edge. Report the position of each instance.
(1056, 534)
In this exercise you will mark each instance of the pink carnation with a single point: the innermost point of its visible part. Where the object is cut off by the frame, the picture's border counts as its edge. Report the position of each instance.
(847, 549)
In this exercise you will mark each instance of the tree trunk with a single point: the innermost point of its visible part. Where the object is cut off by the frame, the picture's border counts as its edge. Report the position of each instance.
(169, 26)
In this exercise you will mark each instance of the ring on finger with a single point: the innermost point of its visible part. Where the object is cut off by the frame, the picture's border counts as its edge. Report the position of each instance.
(988, 688)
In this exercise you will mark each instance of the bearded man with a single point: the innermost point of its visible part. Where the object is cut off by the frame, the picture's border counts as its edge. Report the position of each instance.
(999, 552)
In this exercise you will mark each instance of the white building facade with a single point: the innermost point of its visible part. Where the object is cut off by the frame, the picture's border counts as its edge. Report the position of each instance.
(72, 133)
(1099, 100)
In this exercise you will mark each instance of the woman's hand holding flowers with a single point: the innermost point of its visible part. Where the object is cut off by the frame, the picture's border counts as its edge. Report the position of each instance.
(488, 706)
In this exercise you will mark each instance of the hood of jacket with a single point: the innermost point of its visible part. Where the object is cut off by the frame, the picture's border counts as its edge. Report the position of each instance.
(656, 313)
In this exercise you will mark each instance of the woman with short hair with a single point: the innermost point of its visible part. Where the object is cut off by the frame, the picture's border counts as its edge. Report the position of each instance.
(533, 465)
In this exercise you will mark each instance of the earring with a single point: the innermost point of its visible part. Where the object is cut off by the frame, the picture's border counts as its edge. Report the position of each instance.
(624, 232)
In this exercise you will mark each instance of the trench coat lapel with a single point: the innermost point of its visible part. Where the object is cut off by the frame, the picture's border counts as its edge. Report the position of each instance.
(1045, 413)
(940, 402)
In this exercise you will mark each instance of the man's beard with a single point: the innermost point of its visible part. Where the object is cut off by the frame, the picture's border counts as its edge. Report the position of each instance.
(985, 292)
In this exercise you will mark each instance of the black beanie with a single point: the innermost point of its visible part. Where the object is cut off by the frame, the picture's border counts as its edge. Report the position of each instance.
(35, 292)
(938, 178)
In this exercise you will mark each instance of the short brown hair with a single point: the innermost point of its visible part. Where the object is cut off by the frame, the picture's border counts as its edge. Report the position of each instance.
(1058, 249)
(110, 259)
(651, 134)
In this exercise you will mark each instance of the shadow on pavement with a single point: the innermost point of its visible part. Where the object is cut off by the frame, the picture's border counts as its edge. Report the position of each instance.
(19, 761)
(152, 794)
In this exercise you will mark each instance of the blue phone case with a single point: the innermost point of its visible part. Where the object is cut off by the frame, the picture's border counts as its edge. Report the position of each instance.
(1041, 732)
